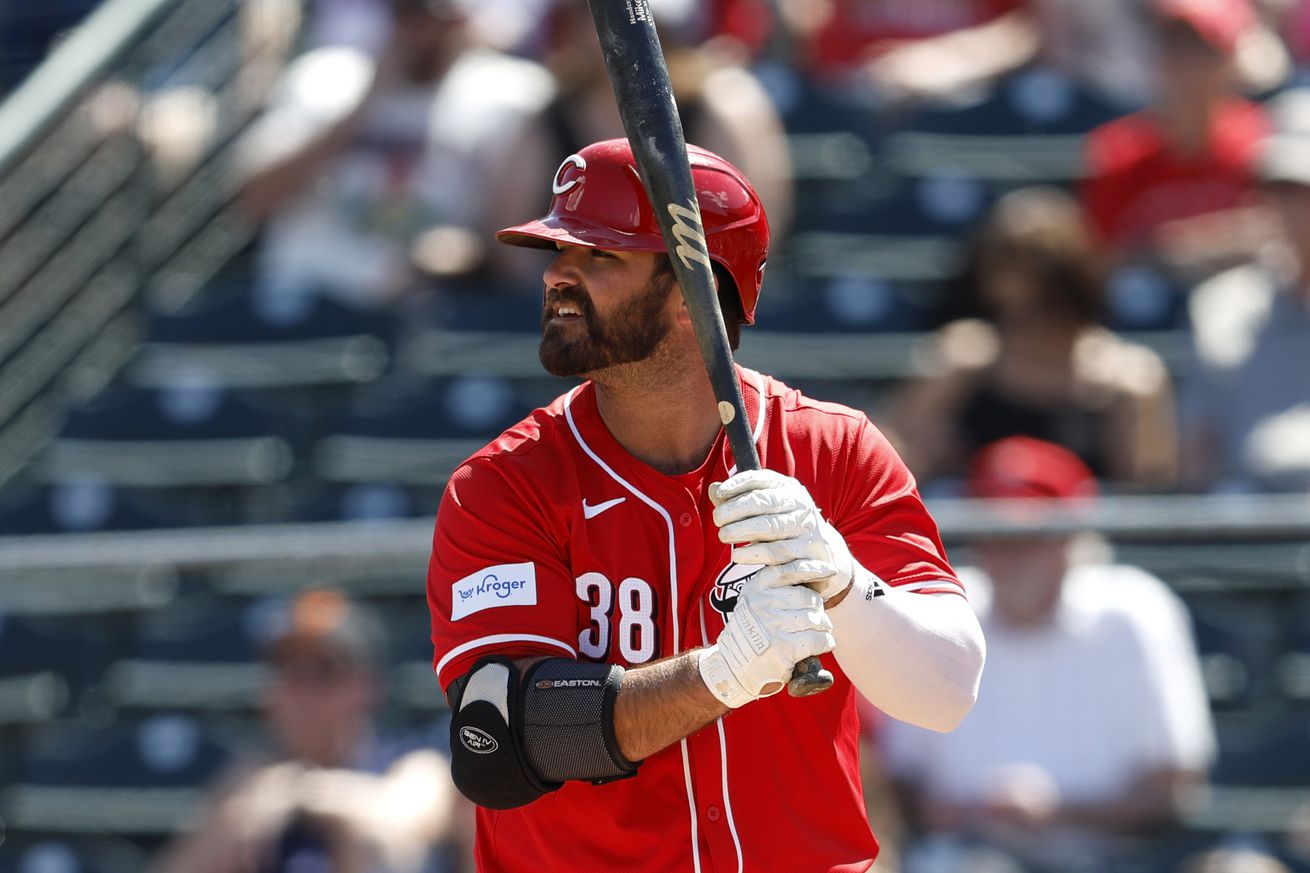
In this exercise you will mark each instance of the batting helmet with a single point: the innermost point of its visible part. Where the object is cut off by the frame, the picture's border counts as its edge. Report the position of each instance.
(599, 202)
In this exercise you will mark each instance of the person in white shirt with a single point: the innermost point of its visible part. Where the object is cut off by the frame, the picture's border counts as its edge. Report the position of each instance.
(1092, 720)
(373, 171)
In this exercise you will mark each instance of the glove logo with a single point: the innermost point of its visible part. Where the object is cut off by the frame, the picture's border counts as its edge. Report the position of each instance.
(723, 596)
(477, 741)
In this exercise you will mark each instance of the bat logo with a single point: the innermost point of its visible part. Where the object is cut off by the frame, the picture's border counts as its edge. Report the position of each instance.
(690, 234)
(561, 186)
(723, 596)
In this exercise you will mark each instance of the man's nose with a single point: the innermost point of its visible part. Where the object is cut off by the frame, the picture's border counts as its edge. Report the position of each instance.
(563, 268)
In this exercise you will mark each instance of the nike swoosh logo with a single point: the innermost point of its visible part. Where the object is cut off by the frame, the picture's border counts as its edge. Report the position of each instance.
(589, 511)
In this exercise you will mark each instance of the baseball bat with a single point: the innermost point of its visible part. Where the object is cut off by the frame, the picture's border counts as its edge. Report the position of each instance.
(640, 80)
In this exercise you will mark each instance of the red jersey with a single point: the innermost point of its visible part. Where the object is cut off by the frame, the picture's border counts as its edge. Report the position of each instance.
(860, 29)
(554, 541)
(1136, 181)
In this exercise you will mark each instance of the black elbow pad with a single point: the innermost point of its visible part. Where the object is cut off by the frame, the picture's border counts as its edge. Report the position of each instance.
(516, 737)
(487, 761)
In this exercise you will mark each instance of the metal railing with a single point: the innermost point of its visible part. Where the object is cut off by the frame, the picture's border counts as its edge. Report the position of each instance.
(91, 221)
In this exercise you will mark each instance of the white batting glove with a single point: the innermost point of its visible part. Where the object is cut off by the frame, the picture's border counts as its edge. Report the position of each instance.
(768, 631)
(775, 518)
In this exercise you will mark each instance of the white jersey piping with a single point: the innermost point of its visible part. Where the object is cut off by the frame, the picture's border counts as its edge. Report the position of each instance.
(759, 423)
(673, 608)
(723, 756)
(500, 638)
(953, 587)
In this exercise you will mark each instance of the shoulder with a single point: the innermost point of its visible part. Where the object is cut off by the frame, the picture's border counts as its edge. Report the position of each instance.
(1226, 312)
(962, 347)
(1118, 144)
(1243, 122)
(1126, 597)
(327, 81)
(1110, 364)
(505, 80)
(830, 434)
(533, 450)
(798, 413)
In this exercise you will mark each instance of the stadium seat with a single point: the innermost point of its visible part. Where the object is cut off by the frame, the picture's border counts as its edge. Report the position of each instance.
(1265, 752)
(414, 432)
(134, 777)
(65, 854)
(1143, 296)
(1028, 130)
(77, 505)
(192, 433)
(263, 340)
(44, 664)
(412, 683)
(1236, 647)
(200, 653)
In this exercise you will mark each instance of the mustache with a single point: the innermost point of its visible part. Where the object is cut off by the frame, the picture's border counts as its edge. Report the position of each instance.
(555, 298)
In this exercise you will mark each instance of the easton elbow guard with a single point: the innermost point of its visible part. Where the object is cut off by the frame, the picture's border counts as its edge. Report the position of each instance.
(515, 737)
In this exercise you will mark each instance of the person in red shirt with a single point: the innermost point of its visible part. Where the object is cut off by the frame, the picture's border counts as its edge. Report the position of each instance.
(614, 607)
(1172, 182)
(915, 49)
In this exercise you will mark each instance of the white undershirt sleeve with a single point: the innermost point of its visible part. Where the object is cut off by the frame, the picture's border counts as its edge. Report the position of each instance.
(917, 657)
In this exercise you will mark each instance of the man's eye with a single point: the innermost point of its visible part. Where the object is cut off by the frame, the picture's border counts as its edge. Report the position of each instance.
(601, 253)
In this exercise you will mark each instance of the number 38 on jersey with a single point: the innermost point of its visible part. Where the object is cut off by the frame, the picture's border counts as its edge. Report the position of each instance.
(622, 618)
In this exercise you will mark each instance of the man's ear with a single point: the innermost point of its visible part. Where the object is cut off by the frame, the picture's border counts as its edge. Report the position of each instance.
(683, 315)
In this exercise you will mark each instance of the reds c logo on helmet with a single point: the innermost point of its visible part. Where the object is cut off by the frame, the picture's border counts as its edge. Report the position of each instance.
(599, 202)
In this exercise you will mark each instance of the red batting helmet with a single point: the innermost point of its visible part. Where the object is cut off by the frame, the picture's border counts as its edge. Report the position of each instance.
(599, 202)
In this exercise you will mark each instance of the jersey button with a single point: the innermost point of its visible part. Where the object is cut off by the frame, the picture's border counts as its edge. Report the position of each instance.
(712, 813)
(685, 519)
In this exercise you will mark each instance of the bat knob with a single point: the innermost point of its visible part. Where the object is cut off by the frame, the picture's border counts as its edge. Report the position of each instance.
(808, 677)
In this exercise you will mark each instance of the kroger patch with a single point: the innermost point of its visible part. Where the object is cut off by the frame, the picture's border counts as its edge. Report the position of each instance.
(501, 585)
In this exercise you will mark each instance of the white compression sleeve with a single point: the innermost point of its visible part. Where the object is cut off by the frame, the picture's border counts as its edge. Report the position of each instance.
(917, 657)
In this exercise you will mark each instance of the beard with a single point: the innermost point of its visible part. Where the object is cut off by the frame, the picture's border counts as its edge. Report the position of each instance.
(631, 334)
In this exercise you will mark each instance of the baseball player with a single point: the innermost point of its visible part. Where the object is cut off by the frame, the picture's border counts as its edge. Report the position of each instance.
(614, 608)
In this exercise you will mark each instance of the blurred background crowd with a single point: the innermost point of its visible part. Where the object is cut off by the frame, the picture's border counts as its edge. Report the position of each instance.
(251, 315)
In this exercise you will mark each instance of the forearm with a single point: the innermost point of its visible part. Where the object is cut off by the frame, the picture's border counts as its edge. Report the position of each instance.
(391, 818)
(660, 703)
(917, 657)
(270, 187)
(1152, 800)
(989, 49)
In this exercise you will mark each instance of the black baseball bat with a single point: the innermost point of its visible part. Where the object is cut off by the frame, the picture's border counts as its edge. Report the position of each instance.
(640, 80)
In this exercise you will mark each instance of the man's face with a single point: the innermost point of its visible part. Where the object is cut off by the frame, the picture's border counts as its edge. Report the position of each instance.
(1027, 577)
(423, 42)
(318, 705)
(1191, 70)
(602, 308)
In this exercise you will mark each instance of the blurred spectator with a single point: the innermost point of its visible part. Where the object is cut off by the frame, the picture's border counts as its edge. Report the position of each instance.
(372, 172)
(723, 107)
(912, 49)
(1172, 182)
(1039, 365)
(328, 795)
(1247, 405)
(1291, 18)
(1107, 46)
(1092, 721)
(365, 25)
(1104, 45)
